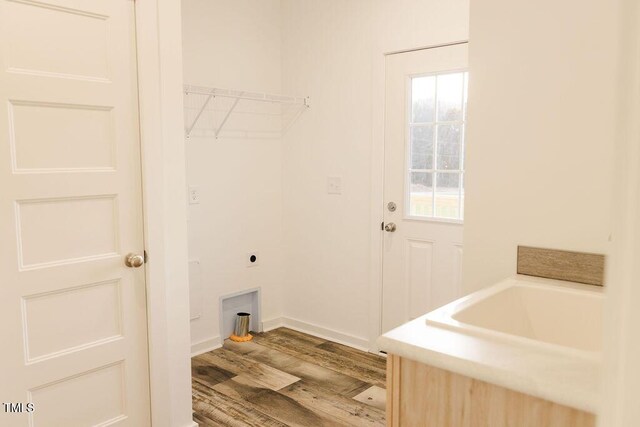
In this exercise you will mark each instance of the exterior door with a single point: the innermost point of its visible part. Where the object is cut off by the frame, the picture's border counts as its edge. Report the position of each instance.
(72, 315)
(424, 181)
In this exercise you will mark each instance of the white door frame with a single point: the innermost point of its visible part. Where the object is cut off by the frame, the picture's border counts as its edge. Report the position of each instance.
(377, 186)
(621, 372)
(159, 49)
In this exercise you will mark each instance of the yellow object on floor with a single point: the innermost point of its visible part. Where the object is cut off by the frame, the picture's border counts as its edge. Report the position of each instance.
(236, 338)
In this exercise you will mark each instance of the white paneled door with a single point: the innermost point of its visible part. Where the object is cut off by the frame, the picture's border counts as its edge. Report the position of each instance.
(425, 114)
(72, 314)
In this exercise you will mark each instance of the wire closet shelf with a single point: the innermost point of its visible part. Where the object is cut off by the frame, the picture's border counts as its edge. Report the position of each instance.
(239, 114)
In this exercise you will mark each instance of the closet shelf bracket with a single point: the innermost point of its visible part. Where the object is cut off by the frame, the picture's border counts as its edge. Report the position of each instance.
(216, 103)
(226, 117)
(204, 106)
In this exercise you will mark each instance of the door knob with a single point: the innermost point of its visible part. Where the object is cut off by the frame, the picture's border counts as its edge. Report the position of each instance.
(134, 260)
(390, 227)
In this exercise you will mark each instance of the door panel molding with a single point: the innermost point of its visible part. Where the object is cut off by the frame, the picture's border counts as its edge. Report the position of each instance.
(419, 282)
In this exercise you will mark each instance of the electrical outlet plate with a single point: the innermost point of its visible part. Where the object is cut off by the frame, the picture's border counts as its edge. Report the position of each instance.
(253, 259)
(194, 195)
(334, 185)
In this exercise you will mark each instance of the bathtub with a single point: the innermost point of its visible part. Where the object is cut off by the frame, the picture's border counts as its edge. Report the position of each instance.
(558, 316)
(537, 336)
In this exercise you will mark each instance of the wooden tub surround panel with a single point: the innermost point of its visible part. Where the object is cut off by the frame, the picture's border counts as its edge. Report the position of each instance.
(577, 267)
(419, 395)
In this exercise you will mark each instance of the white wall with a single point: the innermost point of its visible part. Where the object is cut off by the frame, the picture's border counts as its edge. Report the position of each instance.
(327, 56)
(409, 24)
(333, 51)
(540, 132)
(234, 44)
(318, 245)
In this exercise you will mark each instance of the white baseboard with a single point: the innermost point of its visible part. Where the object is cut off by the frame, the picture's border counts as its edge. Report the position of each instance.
(271, 324)
(297, 325)
(317, 331)
(205, 346)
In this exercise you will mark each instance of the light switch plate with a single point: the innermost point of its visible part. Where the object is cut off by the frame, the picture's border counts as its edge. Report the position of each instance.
(334, 185)
(194, 195)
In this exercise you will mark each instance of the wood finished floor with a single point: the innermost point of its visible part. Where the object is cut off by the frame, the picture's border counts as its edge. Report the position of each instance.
(287, 378)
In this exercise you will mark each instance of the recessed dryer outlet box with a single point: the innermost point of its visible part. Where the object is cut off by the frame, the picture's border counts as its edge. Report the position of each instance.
(247, 301)
(253, 258)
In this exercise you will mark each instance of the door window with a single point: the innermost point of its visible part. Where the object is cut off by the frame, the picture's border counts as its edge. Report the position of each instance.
(438, 105)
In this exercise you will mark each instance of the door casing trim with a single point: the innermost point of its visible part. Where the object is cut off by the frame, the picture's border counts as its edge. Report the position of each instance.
(159, 53)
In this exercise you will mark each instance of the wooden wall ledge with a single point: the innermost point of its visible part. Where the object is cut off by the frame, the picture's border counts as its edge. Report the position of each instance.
(571, 266)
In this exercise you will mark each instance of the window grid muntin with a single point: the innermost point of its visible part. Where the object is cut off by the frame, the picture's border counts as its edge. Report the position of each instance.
(436, 124)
